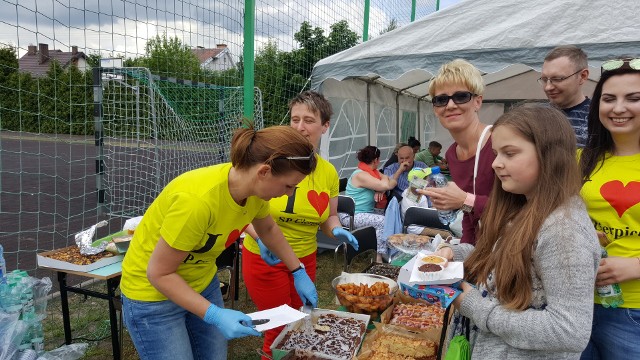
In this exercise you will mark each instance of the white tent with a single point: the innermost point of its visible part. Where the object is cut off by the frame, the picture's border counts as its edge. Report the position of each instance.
(379, 88)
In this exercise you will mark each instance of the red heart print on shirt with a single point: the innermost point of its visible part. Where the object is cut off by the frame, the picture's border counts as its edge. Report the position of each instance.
(619, 196)
(233, 236)
(318, 201)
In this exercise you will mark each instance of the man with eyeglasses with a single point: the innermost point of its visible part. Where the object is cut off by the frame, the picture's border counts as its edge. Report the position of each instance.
(564, 72)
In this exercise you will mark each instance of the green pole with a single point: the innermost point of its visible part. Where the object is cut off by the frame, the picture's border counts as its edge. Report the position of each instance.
(413, 10)
(248, 55)
(437, 5)
(365, 30)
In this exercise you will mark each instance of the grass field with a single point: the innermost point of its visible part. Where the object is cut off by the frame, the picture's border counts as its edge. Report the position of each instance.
(90, 317)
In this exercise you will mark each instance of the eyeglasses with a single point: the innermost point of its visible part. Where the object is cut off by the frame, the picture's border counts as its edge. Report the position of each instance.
(460, 97)
(615, 64)
(555, 80)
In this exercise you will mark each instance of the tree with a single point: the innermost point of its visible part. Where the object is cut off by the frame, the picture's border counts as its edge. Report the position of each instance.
(93, 59)
(393, 24)
(309, 39)
(170, 57)
(8, 61)
(340, 38)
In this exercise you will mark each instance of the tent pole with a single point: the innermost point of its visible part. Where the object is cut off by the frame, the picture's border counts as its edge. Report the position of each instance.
(420, 126)
(398, 127)
(373, 129)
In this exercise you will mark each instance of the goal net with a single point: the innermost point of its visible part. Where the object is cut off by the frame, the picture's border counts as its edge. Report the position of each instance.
(150, 129)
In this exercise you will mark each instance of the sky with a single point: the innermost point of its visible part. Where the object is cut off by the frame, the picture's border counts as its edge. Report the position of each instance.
(122, 27)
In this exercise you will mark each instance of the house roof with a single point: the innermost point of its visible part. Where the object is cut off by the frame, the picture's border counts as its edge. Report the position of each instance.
(31, 62)
(206, 54)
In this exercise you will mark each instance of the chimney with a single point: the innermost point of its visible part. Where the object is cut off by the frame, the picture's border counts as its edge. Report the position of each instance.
(44, 53)
(32, 50)
(221, 46)
(74, 50)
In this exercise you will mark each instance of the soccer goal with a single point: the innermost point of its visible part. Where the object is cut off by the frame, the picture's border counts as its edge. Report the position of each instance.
(150, 129)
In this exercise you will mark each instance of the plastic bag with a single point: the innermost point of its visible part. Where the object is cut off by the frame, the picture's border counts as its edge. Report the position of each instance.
(459, 349)
(11, 332)
(66, 352)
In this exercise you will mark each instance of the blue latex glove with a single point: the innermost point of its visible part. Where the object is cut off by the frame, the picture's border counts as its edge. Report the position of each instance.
(346, 235)
(305, 288)
(266, 254)
(231, 323)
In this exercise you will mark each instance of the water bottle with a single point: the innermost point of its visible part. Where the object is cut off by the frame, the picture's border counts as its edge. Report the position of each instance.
(609, 295)
(3, 267)
(436, 179)
(37, 337)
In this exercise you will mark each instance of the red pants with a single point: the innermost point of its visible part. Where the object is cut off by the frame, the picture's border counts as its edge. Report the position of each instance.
(272, 286)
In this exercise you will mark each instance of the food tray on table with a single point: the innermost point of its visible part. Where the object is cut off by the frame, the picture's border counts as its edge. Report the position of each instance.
(69, 258)
(383, 269)
(335, 335)
(410, 243)
(387, 342)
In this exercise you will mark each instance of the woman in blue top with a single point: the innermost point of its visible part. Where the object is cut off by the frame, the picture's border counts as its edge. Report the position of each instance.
(367, 186)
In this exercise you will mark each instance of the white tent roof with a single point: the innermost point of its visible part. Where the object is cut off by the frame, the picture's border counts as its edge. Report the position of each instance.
(503, 38)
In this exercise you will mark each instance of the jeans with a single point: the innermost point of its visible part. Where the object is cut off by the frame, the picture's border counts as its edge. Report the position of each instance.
(162, 330)
(615, 334)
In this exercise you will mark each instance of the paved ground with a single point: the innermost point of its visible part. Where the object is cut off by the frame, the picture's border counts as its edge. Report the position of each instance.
(47, 192)
(48, 188)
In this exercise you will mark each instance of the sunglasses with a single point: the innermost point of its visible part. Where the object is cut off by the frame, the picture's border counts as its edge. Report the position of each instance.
(311, 158)
(460, 97)
(615, 64)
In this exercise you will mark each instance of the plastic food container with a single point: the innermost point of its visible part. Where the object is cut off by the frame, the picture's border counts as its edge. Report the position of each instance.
(354, 298)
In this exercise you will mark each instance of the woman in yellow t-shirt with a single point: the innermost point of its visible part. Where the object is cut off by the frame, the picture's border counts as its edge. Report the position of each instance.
(314, 203)
(172, 303)
(610, 165)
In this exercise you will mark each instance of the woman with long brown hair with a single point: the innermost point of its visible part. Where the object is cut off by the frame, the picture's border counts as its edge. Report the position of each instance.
(610, 164)
(535, 261)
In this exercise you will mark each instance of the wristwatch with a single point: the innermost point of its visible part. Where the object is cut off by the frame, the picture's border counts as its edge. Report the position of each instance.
(468, 203)
(301, 266)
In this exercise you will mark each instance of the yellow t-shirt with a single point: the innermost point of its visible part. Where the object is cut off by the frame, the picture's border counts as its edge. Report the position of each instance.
(299, 215)
(194, 213)
(612, 196)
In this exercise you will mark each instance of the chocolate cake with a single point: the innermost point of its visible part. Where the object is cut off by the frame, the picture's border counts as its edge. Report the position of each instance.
(430, 268)
(385, 270)
(302, 355)
(331, 335)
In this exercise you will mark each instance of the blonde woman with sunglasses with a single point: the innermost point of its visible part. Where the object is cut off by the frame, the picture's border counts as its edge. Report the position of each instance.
(456, 93)
(610, 169)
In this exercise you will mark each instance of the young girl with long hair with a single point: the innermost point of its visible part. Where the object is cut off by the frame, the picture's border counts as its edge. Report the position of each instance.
(535, 261)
